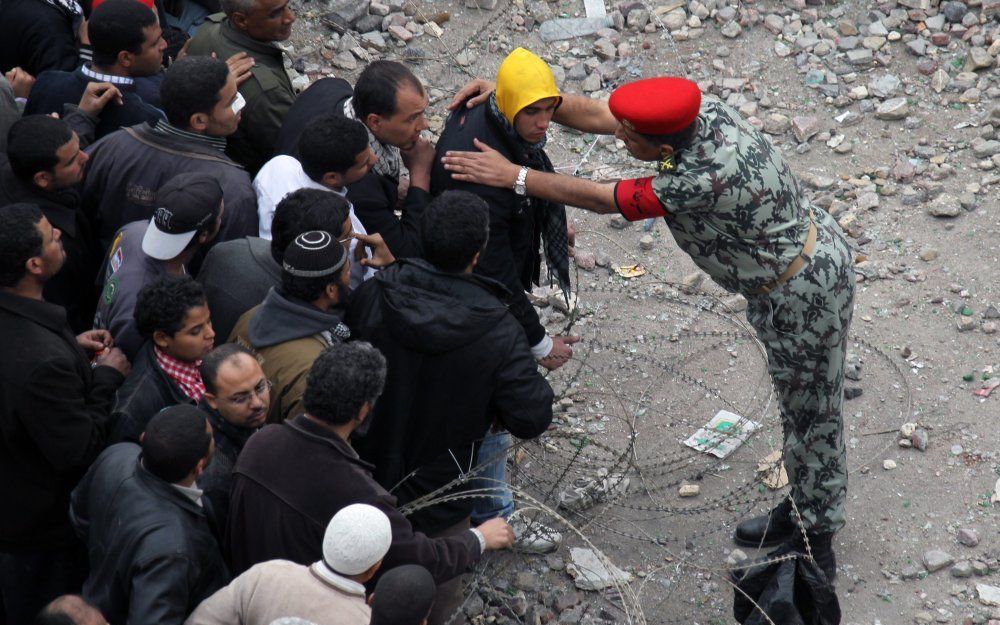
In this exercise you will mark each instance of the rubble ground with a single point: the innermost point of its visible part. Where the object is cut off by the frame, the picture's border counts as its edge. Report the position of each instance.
(889, 114)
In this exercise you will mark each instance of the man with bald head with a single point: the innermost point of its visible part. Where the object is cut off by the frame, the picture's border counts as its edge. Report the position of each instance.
(237, 398)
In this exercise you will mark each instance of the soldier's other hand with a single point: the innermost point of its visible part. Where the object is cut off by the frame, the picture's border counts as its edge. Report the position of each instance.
(487, 166)
(561, 352)
(240, 65)
(20, 81)
(381, 255)
(97, 95)
(498, 534)
(94, 340)
(419, 156)
(476, 91)
(114, 358)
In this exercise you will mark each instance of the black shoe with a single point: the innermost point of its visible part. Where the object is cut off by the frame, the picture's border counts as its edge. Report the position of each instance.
(768, 530)
(821, 547)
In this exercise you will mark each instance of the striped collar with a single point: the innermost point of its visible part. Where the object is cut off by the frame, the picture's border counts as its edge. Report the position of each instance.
(163, 127)
(114, 80)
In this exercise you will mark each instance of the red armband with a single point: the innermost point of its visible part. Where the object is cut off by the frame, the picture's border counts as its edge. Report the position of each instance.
(636, 200)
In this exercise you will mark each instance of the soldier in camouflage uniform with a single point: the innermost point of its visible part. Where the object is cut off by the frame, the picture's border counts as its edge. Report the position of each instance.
(732, 203)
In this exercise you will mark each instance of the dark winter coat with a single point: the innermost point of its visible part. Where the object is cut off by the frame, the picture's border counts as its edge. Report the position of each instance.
(37, 37)
(54, 89)
(457, 362)
(128, 167)
(54, 419)
(293, 477)
(153, 556)
(374, 197)
(147, 391)
(512, 253)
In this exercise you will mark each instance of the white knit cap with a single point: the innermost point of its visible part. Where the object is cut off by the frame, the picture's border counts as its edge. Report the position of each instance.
(357, 537)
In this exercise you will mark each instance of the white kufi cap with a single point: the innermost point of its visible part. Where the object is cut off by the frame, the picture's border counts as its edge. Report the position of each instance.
(357, 537)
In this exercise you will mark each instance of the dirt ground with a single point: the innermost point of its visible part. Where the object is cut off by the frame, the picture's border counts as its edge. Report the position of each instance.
(634, 391)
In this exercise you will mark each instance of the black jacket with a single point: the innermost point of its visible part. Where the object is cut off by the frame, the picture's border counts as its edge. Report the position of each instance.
(128, 167)
(37, 37)
(374, 197)
(74, 287)
(290, 480)
(217, 478)
(153, 556)
(512, 253)
(457, 362)
(147, 391)
(54, 417)
(53, 89)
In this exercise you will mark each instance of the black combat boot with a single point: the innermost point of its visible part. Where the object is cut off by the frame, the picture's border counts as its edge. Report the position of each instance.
(768, 530)
(821, 547)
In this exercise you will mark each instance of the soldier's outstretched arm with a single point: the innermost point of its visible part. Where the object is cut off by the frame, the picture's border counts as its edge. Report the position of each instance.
(585, 114)
(490, 168)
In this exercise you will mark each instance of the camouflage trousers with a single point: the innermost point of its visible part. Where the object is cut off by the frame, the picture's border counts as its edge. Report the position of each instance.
(803, 325)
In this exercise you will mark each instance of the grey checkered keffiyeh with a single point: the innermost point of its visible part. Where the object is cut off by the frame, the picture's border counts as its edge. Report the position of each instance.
(390, 162)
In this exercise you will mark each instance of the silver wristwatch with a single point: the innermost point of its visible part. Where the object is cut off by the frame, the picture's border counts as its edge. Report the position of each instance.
(522, 176)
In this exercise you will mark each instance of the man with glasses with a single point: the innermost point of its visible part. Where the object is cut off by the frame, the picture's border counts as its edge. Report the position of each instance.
(237, 398)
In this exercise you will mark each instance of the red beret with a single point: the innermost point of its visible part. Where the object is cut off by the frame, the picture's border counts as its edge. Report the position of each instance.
(656, 106)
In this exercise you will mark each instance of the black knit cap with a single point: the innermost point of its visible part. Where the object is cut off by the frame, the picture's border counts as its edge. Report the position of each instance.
(314, 254)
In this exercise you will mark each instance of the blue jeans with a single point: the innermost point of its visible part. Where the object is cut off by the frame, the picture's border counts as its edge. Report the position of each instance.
(492, 453)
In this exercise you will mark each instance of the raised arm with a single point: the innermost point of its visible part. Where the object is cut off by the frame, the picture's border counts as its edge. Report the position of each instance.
(585, 114)
(489, 167)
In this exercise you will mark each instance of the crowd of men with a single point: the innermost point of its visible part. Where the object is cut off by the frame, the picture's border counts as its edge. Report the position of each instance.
(244, 327)
(243, 332)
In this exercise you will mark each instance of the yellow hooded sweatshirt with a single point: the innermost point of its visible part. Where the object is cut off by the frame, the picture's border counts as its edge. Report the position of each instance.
(522, 80)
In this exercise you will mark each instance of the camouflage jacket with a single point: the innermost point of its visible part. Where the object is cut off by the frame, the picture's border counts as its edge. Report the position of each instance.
(732, 202)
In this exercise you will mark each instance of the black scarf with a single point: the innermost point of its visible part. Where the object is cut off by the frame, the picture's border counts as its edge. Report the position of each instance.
(550, 218)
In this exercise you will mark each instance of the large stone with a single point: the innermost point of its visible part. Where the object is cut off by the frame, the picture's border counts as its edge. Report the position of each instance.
(861, 56)
(350, 11)
(945, 206)
(591, 83)
(884, 86)
(893, 109)
(968, 537)
(731, 29)
(605, 49)
(935, 560)
(776, 124)
(954, 11)
(561, 28)
(940, 80)
(917, 46)
(774, 23)
(804, 127)
(982, 148)
(675, 20)
(400, 33)
(345, 60)
(988, 595)
(637, 19)
(591, 572)
(978, 59)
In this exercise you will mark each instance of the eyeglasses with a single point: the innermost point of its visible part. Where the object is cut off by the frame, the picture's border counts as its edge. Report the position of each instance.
(244, 398)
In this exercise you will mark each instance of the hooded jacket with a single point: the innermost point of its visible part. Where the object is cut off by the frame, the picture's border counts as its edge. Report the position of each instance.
(287, 335)
(457, 362)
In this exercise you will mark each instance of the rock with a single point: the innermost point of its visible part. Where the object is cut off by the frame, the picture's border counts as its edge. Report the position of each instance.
(917, 46)
(982, 148)
(619, 223)
(919, 439)
(888, 464)
(731, 30)
(675, 20)
(935, 22)
(348, 11)
(962, 569)
(591, 83)
(935, 560)
(804, 127)
(735, 303)
(776, 124)
(647, 242)
(991, 312)
(968, 537)
(488, 5)
(345, 60)
(374, 39)
(978, 59)
(637, 19)
(605, 49)
(988, 595)
(868, 201)
(432, 29)
(692, 282)
(907, 429)
(300, 84)
(884, 86)
(689, 490)
(852, 392)
(980, 568)
(474, 606)
(377, 8)
(561, 28)
(860, 56)
(892, 109)
(400, 33)
(912, 571)
(929, 254)
(965, 324)
(774, 23)
(902, 171)
(736, 558)
(526, 581)
(590, 572)
(940, 80)
(585, 260)
(954, 11)
(944, 206)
